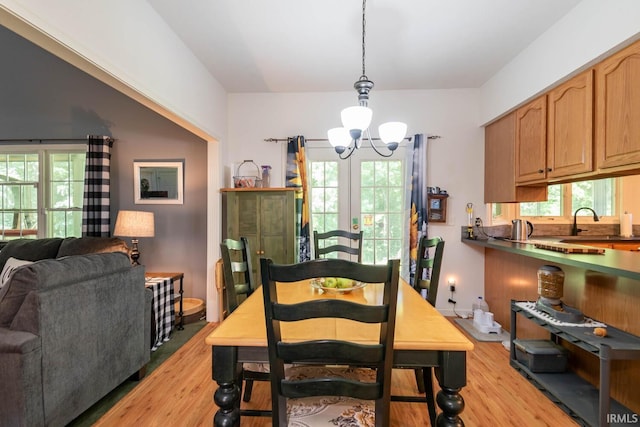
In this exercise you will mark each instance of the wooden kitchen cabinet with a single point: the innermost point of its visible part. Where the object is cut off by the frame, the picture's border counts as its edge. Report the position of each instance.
(570, 127)
(266, 217)
(618, 110)
(531, 142)
(554, 133)
(499, 167)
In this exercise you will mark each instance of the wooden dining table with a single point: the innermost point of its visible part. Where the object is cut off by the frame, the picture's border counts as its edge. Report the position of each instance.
(424, 338)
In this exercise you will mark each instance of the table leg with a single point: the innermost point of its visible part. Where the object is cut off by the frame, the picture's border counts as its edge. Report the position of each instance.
(181, 313)
(227, 396)
(452, 376)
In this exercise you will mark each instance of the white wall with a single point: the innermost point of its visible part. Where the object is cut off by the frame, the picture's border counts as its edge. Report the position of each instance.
(456, 161)
(129, 47)
(591, 31)
(130, 42)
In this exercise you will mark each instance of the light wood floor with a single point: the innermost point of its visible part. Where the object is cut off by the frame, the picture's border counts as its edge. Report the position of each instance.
(180, 393)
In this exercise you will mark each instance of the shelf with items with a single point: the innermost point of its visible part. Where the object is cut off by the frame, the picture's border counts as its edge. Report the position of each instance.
(573, 394)
(437, 207)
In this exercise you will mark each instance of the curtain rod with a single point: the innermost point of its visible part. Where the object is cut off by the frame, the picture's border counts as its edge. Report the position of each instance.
(44, 140)
(408, 138)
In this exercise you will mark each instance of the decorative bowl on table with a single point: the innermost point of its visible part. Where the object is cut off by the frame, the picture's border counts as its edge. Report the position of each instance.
(336, 284)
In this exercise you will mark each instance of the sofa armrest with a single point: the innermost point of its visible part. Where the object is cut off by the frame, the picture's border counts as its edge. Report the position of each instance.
(20, 378)
(17, 342)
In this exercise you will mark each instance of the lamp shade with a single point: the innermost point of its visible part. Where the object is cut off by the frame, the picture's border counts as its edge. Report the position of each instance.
(392, 132)
(339, 137)
(134, 224)
(358, 117)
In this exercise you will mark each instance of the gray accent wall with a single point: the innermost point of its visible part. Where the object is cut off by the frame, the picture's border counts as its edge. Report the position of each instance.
(42, 96)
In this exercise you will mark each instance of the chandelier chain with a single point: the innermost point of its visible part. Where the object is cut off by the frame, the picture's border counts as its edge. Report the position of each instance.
(364, 5)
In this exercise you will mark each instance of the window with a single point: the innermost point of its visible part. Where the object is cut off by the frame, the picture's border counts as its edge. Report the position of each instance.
(41, 193)
(364, 193)
(564, 199)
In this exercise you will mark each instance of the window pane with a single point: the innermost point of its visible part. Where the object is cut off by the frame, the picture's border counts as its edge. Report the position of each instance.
(552, 207)
(598, 195)
(366, 174)
(331, 174)
(382, 173)
(77, 194)
(317, 174)
(331, 222)
(59, 167)
(324, 195)
(19, 195)
(317, 200)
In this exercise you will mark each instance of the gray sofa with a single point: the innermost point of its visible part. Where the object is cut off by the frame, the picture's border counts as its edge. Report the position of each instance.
(73, 326)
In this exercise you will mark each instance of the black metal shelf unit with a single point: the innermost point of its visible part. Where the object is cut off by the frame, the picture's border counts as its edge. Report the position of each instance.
(580, 399)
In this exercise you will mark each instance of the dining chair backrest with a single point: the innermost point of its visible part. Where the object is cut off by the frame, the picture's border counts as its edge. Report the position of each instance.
(236, 262)
(428, 265)
(328, 242)
(330, 351)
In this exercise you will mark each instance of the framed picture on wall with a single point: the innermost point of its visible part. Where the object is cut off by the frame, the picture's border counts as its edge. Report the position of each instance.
(158, 182)
(437, 207)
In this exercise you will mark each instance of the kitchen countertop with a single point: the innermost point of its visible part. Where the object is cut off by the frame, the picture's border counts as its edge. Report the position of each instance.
(613, 262)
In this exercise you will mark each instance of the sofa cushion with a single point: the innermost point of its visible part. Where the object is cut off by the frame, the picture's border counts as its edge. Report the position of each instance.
(30, 249)
(91, 245)
(13, 293)
(11, 264)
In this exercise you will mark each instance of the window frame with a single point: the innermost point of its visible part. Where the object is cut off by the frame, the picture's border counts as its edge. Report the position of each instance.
(44, 197)
(511, 211)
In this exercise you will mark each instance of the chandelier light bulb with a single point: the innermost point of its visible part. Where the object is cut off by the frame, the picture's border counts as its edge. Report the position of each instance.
(392, 132)
(356, 118)
(339, 137)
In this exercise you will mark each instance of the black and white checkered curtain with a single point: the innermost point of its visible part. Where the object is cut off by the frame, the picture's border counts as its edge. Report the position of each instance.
(97, 187)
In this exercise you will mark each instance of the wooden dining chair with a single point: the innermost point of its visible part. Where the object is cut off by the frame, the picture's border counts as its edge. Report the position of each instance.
(236, 261)
(329, 243)
(330, 379)
(428, 265)
(427, 277)
(238, 285)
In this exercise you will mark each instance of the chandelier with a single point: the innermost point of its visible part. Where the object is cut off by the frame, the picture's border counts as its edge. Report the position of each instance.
(356, 120)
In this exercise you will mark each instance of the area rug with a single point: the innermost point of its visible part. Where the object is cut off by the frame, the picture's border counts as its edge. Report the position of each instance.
(178, 339)
(467, 325)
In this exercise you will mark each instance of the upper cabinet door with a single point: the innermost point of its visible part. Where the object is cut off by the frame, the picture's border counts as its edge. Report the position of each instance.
(499, 165)
(618, 110)
(570, 127)
(531, 141)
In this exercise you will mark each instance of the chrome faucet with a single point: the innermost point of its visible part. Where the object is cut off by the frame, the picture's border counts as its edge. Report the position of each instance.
(575, 230)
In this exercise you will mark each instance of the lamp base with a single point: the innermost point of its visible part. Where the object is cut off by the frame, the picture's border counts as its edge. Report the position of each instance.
(135, 253)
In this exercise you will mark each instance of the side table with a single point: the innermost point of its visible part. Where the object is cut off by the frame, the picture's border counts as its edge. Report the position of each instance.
(173, 277)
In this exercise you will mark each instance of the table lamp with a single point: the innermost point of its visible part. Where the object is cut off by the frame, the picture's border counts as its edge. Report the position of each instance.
(134, 224)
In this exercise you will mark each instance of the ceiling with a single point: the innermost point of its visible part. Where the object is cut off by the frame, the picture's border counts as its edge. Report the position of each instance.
(316, 46)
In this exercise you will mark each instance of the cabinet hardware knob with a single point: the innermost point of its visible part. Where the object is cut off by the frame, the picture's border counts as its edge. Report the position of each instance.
(540, 170)
(549, 169)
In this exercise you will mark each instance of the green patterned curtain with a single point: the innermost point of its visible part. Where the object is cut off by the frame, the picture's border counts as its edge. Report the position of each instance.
(297, 177)
(418, 199)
